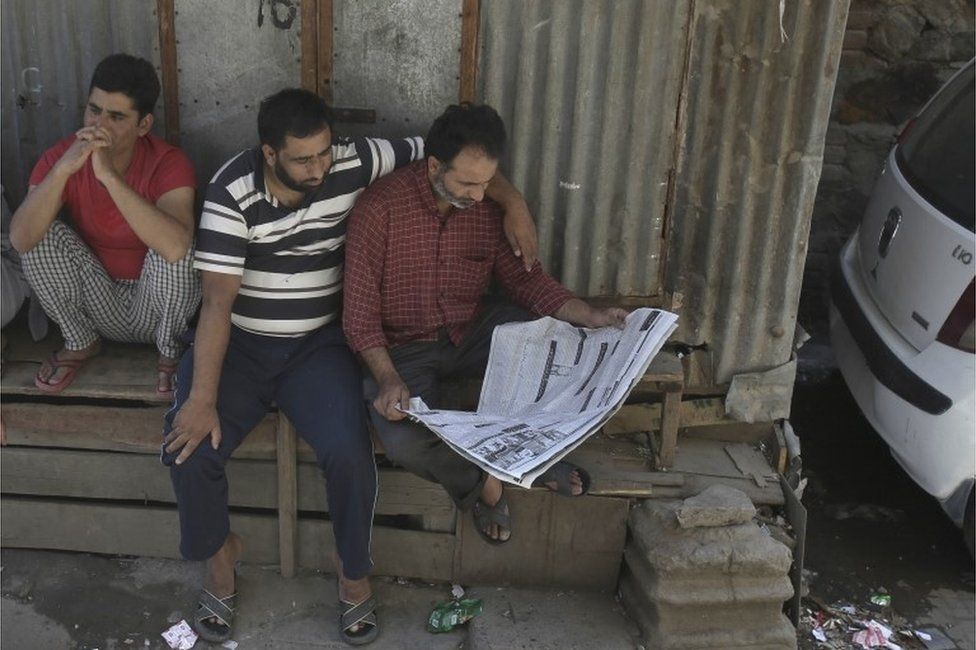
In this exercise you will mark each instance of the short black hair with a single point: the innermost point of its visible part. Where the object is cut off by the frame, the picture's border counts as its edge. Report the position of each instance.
(292, 111)
(134, 77)
(466, 125)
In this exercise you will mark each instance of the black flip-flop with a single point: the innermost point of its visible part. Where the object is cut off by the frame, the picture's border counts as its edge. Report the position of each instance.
(222, 609)
(560, 474)
(363, 614)
(484, 515)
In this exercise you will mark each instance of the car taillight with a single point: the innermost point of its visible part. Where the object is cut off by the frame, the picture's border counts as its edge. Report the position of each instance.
(959, 329)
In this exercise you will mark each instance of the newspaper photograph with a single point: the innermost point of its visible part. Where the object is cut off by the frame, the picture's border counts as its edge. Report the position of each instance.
(549, 386)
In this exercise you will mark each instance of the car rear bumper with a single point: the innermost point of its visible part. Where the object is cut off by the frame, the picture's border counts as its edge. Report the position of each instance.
(937, 449)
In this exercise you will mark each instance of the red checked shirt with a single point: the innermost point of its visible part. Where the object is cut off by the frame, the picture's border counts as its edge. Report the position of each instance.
(411, 273)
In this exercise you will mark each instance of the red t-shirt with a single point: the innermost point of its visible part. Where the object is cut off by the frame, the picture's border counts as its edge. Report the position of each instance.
(156, 168)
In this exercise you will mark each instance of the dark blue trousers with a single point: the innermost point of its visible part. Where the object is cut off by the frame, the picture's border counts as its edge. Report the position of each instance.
(316, 381)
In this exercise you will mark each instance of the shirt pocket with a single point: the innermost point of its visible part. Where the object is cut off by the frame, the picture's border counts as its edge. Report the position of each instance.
(468, 277)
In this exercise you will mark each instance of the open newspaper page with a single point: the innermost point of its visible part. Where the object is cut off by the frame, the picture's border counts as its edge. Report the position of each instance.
(549, 385)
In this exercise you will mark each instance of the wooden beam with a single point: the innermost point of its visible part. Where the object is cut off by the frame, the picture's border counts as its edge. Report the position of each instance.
(310, 38)
(33, 471)
(166, 15)
(470, 24)
(324, 61)
(287, 462)
(109, 428)
(154, 532)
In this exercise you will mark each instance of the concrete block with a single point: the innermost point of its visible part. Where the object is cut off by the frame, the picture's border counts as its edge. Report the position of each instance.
(716, 505)
(743, 548)
(738, 628)
(705, 587)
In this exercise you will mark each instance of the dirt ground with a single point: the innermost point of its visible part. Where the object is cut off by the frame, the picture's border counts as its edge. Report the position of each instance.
(871, 530)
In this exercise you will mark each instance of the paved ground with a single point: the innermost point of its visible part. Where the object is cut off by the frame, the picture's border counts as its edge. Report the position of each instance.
(72, 600)
(870, 527)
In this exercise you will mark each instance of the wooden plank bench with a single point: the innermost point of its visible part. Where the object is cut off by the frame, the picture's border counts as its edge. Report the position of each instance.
(81, 472)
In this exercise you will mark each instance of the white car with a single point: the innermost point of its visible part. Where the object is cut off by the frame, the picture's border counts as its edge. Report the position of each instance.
(902, 301)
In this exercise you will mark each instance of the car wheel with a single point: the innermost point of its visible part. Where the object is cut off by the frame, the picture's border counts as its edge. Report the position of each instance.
(969, 523)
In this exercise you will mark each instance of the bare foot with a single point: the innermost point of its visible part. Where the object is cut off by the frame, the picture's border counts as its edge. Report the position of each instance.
(166, 374)
(51, 375)
(220, 569)
(491, 492)
(352, 591)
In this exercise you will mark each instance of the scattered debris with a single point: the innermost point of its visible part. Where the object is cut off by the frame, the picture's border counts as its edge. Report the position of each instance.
(457, 591)
(934, 639)
(846, 625)
(230, 644)
(875, 635)
(180, 636)
(446, 616)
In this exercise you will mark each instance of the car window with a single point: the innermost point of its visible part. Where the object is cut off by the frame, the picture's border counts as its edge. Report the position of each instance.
(938, 155)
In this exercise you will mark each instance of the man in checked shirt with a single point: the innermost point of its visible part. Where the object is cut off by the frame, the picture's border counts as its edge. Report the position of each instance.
(421, 249)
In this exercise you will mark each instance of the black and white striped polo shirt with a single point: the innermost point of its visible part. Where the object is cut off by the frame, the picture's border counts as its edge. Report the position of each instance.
(289, 260)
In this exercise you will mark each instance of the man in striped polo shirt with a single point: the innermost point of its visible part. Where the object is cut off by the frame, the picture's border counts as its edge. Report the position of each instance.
(270, 248)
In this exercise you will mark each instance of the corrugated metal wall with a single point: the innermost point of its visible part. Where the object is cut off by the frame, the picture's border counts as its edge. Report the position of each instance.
(754, 119)
(589, 91)
(665, 147)
(593, 93)
(49, 49)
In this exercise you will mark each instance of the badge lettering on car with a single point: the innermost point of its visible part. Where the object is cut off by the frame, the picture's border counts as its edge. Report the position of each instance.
(962, 255)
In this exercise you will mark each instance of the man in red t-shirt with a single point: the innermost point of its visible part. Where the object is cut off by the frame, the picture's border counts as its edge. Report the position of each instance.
(120, 266)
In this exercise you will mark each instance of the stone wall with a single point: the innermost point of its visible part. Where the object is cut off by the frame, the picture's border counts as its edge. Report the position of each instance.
(897, 53)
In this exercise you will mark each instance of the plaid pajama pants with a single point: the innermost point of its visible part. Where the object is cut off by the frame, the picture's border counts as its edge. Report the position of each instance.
(78, 294)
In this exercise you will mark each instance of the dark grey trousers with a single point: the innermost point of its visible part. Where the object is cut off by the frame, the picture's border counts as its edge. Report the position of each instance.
(424, 366)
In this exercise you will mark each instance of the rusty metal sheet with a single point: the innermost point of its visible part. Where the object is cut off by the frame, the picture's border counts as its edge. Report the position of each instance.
(589, 91)
(754, 115)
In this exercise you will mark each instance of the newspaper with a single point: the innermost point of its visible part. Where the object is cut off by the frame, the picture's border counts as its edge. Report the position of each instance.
(548, 387)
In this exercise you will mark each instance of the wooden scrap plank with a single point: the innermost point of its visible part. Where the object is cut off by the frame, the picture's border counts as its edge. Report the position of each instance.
(705, 462)
(557, 541)
(670, 419)
(154, 532)
(287, 484)
(639, 418)
(137, 477)
(134, 430)
(124, 371)
(643, 484)
(665, 368)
